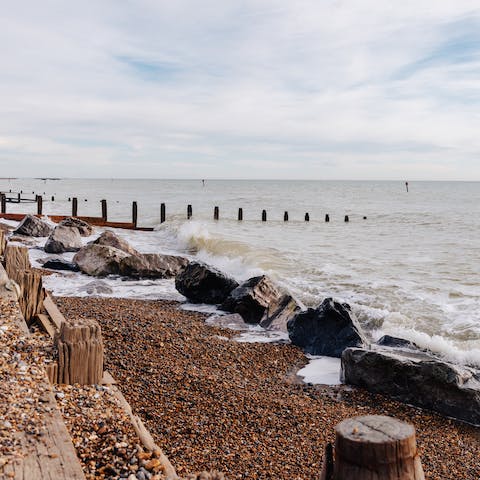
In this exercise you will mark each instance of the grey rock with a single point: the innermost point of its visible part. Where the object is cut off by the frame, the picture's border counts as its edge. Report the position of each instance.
(33, 227)
(84, 228)
(152, 265)
(201, 283)
(60, 264)
(326, 330)
(109, 239)
(259, 300)
(389, 341)
(99, 260)
(416, 378)
(63, 239)
(97, 287)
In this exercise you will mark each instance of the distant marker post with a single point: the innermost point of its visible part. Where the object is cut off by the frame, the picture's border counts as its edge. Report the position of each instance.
(406, 186)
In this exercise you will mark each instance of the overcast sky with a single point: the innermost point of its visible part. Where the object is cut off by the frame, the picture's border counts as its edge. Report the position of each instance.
(241, 89)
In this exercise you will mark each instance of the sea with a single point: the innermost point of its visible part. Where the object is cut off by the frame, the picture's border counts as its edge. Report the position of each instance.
(407, 262)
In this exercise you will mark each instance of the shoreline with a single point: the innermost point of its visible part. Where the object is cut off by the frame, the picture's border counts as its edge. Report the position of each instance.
(216, 404)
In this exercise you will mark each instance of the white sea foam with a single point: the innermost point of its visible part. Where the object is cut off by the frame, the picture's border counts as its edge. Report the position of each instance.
(321, 370)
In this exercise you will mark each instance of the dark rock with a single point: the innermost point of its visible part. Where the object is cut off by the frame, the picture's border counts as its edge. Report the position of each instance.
(33, 227)
(389, 341)
(63, 239)
(99, 260)
(109, 239)
(60, 264)
(152, 265)
(84, 228)
(416, 378)
(201, 283)
(326, 330)
(260, 300)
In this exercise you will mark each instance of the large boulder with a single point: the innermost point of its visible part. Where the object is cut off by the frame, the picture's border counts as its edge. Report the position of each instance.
(416, 378)
(201, 283)
(60, 264)
(109, 239)
(99, 260)
(259, 300)
(33, 227)
(84, 228)
(63, 239)
(152, 265)
(278, 319)
(326, 330)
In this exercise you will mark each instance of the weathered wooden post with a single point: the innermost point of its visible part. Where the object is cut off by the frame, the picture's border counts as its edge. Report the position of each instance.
(104, 210)
(327, 217)
(264, 215)
(39, 204)
(346, 218)
(240, 214)
(3, 201)
(74, 207)
(18, 197)
(189, 212)
(162, 212)
(134, 214)
(3, 242)
(285, 217)
(53, 198)
(215, 213)
(374, 447)
(307, 217)
(80, 352)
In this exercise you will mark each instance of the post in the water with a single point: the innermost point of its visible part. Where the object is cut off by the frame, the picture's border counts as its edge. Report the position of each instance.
(406, 186)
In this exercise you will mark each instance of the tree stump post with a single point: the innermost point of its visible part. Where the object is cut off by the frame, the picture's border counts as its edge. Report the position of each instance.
(80, 352)
(376, 447)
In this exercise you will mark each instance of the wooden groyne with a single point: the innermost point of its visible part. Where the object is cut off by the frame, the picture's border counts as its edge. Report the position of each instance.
(102, 220)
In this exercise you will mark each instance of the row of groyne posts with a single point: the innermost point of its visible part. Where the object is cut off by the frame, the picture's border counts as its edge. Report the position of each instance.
(163, 215)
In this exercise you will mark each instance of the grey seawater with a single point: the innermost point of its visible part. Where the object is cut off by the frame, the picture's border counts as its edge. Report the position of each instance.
(411, 269)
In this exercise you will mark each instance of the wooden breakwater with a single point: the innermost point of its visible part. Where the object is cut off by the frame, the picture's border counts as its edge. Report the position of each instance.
(102, 220)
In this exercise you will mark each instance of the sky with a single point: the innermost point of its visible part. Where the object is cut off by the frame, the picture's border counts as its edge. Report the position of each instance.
(240, 89)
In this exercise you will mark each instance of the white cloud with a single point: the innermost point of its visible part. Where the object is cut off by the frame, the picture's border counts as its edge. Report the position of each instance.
(336, 89)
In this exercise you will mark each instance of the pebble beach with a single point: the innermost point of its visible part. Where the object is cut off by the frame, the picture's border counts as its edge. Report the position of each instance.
(212, 403)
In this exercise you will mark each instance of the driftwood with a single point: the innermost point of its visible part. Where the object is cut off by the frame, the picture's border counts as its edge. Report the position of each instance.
(80, 352)
(376, 447)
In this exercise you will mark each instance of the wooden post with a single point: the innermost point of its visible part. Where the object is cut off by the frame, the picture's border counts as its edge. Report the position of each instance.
(240, 214)
(80, 352)
(346, 218)
(327, 217)
(285, 217)
(406, 186)
(74, 207)
(264, 215)
(215, 213)
(39, 204)
(3, 242)
(189, 212)
(162, 212)
(134, 214)
(18, 197)
(307, 217)
(3, 201)
(16, 261)
(376, 447)
(104, 210)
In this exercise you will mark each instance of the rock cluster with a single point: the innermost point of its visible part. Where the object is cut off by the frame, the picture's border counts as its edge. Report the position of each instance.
(63, 239)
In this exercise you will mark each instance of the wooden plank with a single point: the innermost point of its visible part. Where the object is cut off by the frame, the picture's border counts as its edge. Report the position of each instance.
(47, 325)
(54, 313)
